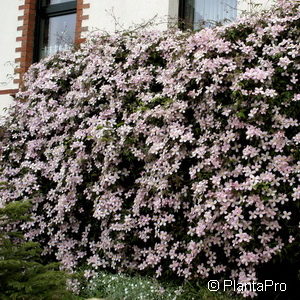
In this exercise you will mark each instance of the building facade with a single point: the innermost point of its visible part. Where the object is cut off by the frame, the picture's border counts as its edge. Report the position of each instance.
(33, 29)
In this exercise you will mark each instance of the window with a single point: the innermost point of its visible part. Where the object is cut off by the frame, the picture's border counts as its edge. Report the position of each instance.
(198, 13)
(56, 23)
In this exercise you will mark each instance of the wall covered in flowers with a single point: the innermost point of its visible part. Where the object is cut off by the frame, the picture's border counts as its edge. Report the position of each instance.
(163, 152)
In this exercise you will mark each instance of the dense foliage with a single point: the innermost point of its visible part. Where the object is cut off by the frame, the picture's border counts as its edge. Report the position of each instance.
(22, 275)
(164, 152)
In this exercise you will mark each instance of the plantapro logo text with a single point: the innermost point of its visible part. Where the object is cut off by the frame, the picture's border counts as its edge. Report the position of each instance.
(229, 285)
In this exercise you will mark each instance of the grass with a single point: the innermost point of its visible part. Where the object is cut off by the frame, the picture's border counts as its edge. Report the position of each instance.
(124, 287)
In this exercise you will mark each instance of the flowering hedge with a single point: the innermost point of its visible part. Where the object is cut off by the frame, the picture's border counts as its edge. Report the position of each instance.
(164, 151)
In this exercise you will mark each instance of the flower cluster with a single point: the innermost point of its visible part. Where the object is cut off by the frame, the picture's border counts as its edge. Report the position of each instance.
(162, 151)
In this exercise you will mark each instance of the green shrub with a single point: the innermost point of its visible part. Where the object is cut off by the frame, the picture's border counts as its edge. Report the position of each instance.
(22, 275)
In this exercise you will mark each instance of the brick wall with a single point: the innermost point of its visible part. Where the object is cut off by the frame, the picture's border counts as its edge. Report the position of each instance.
(80, 17)
(26, 38)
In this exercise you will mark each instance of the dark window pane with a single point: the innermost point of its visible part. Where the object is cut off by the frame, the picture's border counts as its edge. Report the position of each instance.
(47, 2)
(189, 13)
(59, 34)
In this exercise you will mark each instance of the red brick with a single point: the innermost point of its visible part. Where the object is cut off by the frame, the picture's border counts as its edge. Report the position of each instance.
(11, 91)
